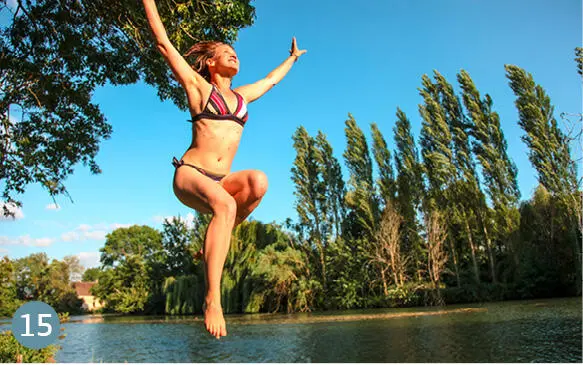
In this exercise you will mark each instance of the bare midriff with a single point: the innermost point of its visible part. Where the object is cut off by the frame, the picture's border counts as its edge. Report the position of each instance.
(214, 144)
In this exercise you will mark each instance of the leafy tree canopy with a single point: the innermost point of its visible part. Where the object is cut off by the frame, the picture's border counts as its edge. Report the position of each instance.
(55, 53)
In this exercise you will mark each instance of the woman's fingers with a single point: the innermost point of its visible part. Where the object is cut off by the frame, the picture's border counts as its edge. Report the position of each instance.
(294, 48)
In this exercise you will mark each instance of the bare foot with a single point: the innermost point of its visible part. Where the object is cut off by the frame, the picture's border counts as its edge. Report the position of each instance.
(214, 320)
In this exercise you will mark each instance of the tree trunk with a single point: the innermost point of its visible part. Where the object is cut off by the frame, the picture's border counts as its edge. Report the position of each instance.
(473, 249)
(385, 288)
(455, 263)
(490, 254)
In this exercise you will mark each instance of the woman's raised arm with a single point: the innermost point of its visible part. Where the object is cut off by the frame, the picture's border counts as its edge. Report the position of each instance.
(181, 69)
(254, 91)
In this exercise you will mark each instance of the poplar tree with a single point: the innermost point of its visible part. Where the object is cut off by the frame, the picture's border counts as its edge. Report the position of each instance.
(437, 158)
(549, 150)
(363, 214)
(333, 184)
(409, 186)
(382, 156)
(360, 198)
(467, 200)
(308, 192)
(490, 148)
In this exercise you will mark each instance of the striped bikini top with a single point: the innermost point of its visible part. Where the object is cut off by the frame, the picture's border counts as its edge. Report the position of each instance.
(216, 108)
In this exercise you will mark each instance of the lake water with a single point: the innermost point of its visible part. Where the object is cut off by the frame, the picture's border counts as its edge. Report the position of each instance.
(546, 330)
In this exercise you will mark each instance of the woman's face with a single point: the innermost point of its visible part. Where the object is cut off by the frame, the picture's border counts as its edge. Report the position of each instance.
(225, 60)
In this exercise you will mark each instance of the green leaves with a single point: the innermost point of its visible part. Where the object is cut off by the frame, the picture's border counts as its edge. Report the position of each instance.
(9, 302)
(360, 197)
(382, 156)
(54, 54)
(549, 147)
(133, 262)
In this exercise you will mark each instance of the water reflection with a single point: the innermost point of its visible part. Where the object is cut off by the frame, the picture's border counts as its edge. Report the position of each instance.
(535, 331)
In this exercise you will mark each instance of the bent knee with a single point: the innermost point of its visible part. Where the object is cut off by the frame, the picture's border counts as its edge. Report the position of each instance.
(258, 184)
(225, 205)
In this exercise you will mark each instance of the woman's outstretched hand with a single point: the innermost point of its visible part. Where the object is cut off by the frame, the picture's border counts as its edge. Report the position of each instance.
(294, 51)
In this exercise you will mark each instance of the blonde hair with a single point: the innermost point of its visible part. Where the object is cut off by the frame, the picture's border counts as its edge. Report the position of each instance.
(199, 54)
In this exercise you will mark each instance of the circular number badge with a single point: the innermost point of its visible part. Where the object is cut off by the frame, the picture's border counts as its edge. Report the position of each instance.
(36, 325)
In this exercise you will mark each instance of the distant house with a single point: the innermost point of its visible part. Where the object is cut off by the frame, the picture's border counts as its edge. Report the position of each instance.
(83, 289)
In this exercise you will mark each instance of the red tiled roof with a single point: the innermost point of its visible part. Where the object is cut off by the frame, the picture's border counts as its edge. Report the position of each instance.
(82, 287)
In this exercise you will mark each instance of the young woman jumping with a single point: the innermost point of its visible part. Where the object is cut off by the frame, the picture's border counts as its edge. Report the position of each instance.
(203, 179)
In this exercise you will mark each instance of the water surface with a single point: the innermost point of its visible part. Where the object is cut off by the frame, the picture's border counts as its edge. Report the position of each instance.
(547, 330)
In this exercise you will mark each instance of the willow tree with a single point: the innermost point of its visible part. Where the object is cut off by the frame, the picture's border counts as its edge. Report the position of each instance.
(382, 156)
(549, 151)
(284, 277)
(490, 148)
(183, 286)
(438, 160)
(55, 53)
(410, 190)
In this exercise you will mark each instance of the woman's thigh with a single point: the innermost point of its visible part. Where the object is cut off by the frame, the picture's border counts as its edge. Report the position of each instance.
(199, 192)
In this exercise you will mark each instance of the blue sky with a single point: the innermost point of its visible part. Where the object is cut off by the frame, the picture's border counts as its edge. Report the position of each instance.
(366, 58)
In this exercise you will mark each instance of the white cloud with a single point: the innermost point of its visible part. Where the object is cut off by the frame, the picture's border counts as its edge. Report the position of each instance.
(120, 225)
(3, 250)
(188, 220)
(92, 232)
(84, 227)
(95, 235)
(89, 259)
(70, 236)
(53, 206)
(83, 234)
(26, 240)
(43, 242)
(12, 208)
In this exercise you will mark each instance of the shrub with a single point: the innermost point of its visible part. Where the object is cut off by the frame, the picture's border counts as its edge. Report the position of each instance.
(12, 351)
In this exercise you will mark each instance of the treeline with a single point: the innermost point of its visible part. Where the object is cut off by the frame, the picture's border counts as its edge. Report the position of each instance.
(149, 271)
(35, 278)
(442, 212)
(437, 220)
